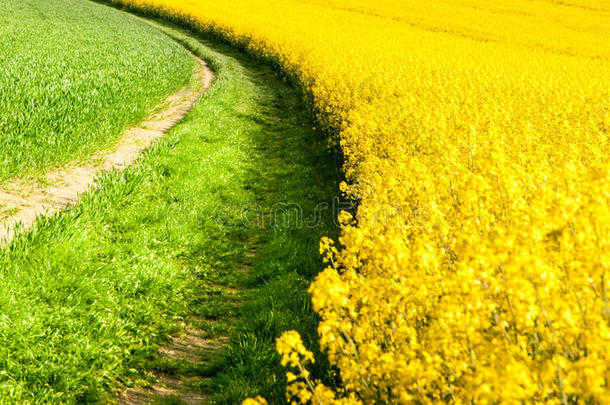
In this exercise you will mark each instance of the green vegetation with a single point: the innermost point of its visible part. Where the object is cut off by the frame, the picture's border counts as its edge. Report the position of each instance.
(88, 295)
(73, 76)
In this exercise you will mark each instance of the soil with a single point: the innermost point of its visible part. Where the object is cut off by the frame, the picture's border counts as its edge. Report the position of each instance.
(22, 202)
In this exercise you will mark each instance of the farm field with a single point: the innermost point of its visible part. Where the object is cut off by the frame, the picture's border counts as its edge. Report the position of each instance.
(475, 137)
(450, 159)
(74, 75)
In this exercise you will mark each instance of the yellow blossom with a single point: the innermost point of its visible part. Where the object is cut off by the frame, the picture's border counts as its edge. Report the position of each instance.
(476, 137)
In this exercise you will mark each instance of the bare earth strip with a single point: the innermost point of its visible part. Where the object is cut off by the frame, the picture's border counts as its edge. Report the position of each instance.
(191, 348)
(21, 204)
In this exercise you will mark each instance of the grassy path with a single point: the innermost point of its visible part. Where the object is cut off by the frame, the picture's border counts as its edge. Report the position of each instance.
(196, 235)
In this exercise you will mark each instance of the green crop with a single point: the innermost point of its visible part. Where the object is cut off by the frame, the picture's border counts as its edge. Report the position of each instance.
(73, 76)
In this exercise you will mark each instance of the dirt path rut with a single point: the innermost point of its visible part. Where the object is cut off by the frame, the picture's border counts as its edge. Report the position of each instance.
(22, 202)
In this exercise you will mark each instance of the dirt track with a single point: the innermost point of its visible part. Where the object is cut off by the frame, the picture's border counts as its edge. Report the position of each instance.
(21, 204)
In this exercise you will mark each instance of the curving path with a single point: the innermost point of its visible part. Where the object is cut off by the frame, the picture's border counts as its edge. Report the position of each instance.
(21, 204)
(171, 282)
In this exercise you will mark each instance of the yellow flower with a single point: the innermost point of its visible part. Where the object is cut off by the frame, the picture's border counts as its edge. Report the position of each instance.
(476, 143)
(254, 401)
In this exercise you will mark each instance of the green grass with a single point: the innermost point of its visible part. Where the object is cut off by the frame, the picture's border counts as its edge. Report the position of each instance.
(73, 76)
(88, 295)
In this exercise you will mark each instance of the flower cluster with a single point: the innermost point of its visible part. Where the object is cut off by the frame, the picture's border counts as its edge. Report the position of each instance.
(477, 142)
(301, 388)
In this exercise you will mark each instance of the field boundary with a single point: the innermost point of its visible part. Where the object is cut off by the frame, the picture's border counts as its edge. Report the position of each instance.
(22, 203)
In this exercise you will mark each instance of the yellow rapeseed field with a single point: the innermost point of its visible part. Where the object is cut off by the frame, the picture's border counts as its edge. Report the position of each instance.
(476, 135)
